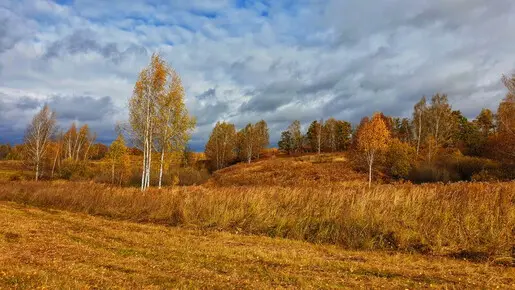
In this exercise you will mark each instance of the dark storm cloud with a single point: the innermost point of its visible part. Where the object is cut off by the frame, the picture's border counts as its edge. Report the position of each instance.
(209, 113)
(81, 108)
(85, 41)
(27, 103)
(209, 94)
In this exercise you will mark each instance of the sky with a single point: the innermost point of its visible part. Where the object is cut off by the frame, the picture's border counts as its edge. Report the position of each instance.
(242, 61)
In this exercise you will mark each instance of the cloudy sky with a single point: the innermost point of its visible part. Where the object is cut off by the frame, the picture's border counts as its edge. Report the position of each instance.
(242, 61)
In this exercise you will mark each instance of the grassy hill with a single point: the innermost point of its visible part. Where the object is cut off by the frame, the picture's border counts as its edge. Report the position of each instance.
(283, 170)
(56, 249)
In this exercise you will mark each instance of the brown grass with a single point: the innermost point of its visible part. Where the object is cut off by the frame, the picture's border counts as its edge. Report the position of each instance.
(302, 171)
(61, 250)
(466, 220)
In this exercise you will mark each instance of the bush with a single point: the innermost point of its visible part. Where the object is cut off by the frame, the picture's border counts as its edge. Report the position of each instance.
(467, 166)
(399, 159)
(75, 170)
(456, 167)
(426, 173)
(192, 176)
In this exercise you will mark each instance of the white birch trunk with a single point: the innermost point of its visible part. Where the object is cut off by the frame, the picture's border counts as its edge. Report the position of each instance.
(161, 167)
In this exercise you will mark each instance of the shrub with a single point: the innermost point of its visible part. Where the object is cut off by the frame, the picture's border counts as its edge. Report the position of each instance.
(75, 170)
(193, 176)
(399, 159)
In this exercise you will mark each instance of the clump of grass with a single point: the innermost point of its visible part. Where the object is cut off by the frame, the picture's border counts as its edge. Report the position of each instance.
(432, 218)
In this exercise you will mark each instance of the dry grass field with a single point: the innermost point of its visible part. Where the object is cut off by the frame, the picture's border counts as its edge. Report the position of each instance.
(292, 222)
(470, 220)
(43, 248)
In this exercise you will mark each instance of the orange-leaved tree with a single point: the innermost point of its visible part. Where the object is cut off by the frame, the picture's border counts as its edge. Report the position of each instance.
(373, 138)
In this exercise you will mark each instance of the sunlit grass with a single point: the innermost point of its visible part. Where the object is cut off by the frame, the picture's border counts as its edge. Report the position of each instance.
(61, 250)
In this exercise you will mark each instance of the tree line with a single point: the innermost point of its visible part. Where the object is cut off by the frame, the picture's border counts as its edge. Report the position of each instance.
(226, 145)
(397, 145)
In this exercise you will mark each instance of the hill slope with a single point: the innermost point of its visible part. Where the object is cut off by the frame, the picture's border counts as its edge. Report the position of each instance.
(307, 170)
(48, 248)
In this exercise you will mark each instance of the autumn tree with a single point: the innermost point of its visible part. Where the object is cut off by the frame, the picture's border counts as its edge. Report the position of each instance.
(38, 136)
(150, 85)
(77, 143)
(246, 143)
(118, 159)
(173, 124)
(372, 139)
(419, 115)
(57, 152)
(286, 142)
(314, 136)
(505, 136)
(330, 135)
(262, 137)
(221, 146)
(399, 158)
(485, 122)
(469, 138)
(292, 139)
(441, 124)
(343, 135)
(98, 151)
(354, 141)
(402, 130)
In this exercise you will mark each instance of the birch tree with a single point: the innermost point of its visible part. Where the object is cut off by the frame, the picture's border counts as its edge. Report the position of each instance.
(118, 158)
(441, 123)
(247, 143)
(77, 143)
(330, 134)
(38, 136)
(173, 123)
(151, 84)
(372, 138)
(262, 137)
(296, 135)
(58, 151)
(221, 146)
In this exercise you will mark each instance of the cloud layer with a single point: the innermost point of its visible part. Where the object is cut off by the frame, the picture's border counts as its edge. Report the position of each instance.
(242, 61)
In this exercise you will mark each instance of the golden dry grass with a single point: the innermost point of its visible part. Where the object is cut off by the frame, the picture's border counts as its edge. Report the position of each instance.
(308, 170)
(56, 249)
(469, 220)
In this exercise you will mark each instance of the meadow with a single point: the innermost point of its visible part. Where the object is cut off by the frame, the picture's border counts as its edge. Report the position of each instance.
(314, 200)
(44, 248)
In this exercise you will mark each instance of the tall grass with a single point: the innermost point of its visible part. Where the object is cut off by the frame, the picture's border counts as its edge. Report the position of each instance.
(456, 219)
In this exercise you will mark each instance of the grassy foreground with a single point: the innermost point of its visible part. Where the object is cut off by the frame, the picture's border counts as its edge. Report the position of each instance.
(56, 249)
(464, 220)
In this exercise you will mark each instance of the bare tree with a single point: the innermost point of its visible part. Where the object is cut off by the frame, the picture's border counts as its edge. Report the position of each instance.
(37, 137)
